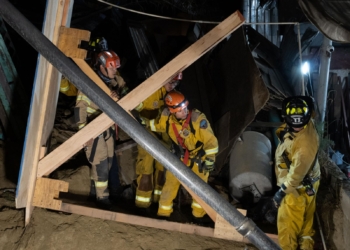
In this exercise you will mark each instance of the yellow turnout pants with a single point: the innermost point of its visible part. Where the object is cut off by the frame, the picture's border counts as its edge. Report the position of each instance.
(295, 220)
(170, 190)
(151, 175)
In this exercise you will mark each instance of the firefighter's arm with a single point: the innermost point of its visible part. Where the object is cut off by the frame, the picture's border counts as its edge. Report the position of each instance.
(159, 124)
(210, 144)
(80, 110)
(302, 159)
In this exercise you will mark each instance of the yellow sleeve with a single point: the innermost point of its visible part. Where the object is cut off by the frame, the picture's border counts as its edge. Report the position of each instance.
(160, 123)
(152, 102)
(303, 154)
(210, 142)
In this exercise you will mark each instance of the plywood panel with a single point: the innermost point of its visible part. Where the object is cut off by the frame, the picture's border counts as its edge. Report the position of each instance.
(69, 41)
(148, 87)
(45, 92)
(47, 191)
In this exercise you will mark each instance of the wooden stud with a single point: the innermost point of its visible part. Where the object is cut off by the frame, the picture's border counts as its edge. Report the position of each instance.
(47, 191)
(43, 106)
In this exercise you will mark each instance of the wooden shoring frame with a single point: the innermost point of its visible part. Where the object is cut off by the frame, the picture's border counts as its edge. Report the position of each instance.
(47, 192)
(41, 192)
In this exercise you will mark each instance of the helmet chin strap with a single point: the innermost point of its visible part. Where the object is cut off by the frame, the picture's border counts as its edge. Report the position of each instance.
(104, 78)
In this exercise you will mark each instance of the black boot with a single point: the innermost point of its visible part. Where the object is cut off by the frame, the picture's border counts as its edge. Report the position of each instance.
(104, 203)
(204, 221)
(92, 195)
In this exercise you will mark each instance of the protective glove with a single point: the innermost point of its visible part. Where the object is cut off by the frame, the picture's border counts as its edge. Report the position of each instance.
(138, 118)
(208, 166)
(278, 197)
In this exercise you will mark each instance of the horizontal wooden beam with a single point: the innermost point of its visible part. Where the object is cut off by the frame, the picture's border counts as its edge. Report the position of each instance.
(140, 93)
(155, 223)
(137, 220)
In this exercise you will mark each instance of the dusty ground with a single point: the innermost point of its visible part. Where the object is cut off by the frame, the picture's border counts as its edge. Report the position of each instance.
(55, 230)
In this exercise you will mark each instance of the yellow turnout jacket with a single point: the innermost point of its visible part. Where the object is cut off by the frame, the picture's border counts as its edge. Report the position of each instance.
(198, 134)
(301, 150)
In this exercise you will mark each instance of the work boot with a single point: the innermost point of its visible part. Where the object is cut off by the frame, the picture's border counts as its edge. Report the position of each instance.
(92, 194)
(128, 192)
(146, 212)
(204, 221)
(116, 194)
(103, 203)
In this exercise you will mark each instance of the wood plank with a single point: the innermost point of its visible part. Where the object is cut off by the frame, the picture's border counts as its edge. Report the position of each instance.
(140, 93)
(69, 41)
(67, 13)
(225, 230)
(46, 190)
(148, 222)
(137, 220)
(39, 105)
(45, 99)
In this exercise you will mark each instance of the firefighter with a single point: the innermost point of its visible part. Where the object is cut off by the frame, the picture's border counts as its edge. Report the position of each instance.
(94, 47)
(298, 174)
(100, 150)
(193, 141)
(151, 175)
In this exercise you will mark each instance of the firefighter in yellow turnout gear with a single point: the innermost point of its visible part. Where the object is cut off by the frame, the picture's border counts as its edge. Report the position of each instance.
(193, 141)
(100, 151)
(298, 173)
(151, 175)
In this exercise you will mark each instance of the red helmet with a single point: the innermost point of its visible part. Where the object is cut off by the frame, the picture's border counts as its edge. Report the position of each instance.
(178, 77)
(109, 59)
(175, 101)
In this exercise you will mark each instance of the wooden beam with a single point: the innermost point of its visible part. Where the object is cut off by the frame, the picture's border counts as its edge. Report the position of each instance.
(47, 191)
(155, 223)
(137, 220)
(144, 90)
(225, 230)
(42, 110)
(69, 41)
